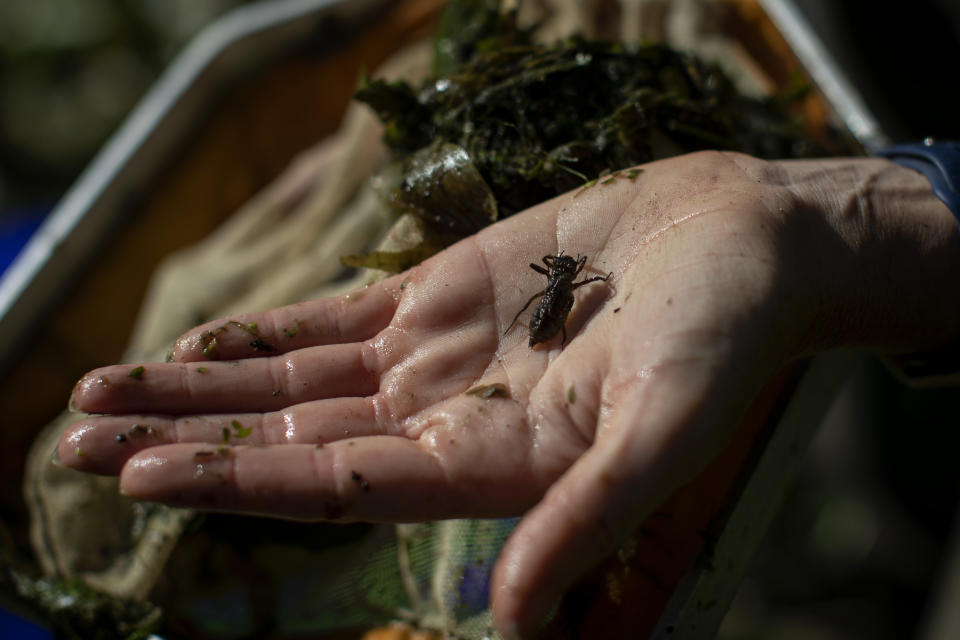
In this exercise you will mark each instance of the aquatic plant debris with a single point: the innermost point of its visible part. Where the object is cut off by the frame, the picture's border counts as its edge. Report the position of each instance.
(513, 123)
(207, 340)
(259, 345)
(239, 430)
(360, 480)
(75, 610)
(486, 391)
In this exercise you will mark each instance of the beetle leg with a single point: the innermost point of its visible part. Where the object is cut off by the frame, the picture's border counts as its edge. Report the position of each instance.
(539, 269)
(535, 296)
(580, 264)
(594, 279)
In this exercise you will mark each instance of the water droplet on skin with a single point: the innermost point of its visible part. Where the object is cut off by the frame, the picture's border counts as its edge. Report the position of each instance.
(198, 471)
(290, 433)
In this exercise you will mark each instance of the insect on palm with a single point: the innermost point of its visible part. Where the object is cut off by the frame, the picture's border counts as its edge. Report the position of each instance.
(550, 316)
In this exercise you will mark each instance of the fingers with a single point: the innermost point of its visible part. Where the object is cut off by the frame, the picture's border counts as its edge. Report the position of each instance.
(378, 479)
(251, 385)
(332, 459)
(354, 317)
(102, 444)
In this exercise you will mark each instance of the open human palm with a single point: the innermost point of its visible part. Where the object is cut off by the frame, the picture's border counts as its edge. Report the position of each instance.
(410, 400)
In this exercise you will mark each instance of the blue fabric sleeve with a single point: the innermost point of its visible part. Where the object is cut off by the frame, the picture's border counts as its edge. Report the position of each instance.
(938, 161)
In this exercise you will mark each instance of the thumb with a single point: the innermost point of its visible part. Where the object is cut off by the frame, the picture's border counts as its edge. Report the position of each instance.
(656, 436)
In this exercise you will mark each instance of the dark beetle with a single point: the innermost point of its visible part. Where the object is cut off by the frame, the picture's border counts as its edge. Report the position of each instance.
(550, 316)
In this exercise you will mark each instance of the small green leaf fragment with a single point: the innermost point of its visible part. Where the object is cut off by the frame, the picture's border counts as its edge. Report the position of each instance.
(585, 186)
(208, 345)
(203, 370)
(224, 436)
(571, 395)
(78, 452)
(252, 327)
(487, 391)
(241, 431)
(633, 173)
(391, 261)
(136, 373)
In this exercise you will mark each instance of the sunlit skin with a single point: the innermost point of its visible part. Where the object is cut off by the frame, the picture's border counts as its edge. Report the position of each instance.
(723, 269)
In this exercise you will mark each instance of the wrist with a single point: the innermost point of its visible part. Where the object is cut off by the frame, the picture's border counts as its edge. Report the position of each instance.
(890, 252)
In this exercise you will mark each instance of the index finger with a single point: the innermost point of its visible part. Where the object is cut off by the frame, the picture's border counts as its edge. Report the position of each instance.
(353, 317)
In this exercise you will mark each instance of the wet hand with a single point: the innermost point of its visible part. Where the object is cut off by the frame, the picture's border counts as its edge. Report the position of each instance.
(409, 400)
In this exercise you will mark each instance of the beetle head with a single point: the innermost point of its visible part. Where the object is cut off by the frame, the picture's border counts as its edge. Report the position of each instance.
(565, 265)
